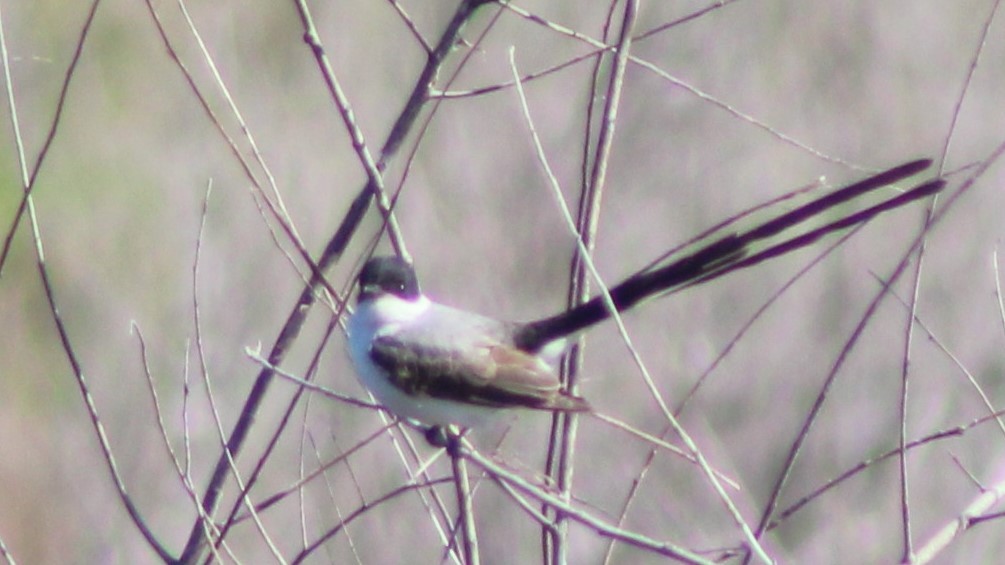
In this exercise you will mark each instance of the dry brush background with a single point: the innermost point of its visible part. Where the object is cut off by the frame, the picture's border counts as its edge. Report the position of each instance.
(791, 91)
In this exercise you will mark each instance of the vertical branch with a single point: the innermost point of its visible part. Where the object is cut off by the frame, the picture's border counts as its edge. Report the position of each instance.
(465, 508)
(908, 546)
(578, 292)
(566, 425)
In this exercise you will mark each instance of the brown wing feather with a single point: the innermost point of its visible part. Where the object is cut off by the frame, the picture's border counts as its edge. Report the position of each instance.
(489, 374)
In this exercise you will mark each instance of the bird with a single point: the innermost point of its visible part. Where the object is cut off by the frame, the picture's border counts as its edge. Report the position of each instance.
(441, 366)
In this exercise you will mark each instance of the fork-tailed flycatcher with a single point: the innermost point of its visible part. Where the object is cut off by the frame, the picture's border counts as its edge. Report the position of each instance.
(440, 366)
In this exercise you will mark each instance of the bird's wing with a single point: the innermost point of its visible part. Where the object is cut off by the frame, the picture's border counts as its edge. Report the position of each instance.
(455, 355)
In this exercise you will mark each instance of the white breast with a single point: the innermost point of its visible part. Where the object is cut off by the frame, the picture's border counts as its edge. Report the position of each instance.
(387, 315)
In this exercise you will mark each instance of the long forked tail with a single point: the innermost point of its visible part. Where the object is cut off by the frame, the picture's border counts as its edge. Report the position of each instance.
(733, 252)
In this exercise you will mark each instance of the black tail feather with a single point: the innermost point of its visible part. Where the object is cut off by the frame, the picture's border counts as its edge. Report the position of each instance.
(730, 253)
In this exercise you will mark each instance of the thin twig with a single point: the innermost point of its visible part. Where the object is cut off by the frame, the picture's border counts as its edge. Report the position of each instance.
(908, 547)
(559, 440)
(957, 431)
(579, 288)
(278, 209)
(652, 67)
(465, 511)
(8, 557)
(996, 267)
(389, 424)
(333, 500)
(374, 175)
(182, 469)
(975, 173)
(823, 394)
(761, 310)
(331, 253)
(27, 181)
(206, 516)
(971, 378)
(958, 526)
(658, 444)
(601, 526)
(361, 511)
(277, 431)
(608, 302)
(301, 482)
(410, 24)
(965, 87)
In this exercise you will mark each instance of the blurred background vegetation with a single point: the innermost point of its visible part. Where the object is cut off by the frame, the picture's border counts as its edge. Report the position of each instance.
(860, 85)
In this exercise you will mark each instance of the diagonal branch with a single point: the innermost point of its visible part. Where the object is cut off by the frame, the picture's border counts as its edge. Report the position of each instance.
(332, 252)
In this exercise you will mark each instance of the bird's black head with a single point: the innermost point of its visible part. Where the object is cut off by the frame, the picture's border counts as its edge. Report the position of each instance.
(388, 275)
